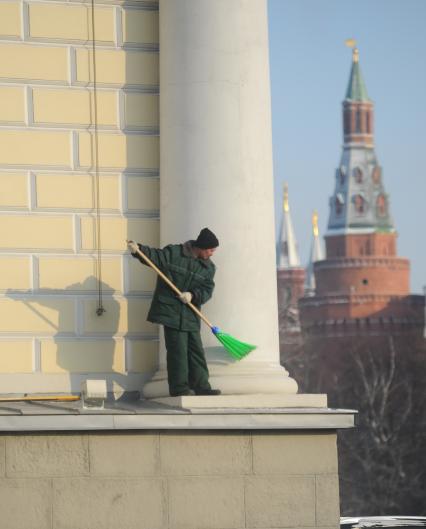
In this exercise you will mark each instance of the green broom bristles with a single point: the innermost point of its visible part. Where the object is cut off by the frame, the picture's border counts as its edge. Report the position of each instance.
(234, 347)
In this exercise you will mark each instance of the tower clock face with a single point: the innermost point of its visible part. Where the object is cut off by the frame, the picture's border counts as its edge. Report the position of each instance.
(376, 175)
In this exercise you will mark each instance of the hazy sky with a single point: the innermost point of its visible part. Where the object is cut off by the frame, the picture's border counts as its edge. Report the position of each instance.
(310, 68)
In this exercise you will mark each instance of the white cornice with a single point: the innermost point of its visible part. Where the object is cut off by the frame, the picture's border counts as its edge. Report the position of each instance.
(355, 231)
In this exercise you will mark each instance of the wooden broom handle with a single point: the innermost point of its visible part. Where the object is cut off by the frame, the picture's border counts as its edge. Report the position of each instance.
(172, 286)
(64, 398)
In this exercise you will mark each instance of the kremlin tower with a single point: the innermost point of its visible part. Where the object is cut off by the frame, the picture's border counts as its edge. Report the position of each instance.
(362, 286)
(314, 255)
(360, 335)
(290, 281)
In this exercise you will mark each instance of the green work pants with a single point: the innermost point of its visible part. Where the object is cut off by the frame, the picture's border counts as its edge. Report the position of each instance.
(186, 362)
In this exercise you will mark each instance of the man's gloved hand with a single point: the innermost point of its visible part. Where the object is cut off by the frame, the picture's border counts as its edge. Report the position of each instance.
(132, 246)
(185, 297)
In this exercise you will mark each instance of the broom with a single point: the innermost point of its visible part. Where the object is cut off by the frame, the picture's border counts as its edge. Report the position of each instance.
(234, 347)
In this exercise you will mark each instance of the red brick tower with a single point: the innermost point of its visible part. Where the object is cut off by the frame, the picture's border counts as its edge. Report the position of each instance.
(362, 286)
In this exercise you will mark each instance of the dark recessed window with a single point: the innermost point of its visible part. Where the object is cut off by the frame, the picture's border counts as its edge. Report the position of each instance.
(342, 173)
(358, 121)
(357, 172)
(368, 122)
(365, 281)
(359, 204)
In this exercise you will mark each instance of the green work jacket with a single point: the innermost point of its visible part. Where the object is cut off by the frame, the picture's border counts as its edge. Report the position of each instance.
(189, 274)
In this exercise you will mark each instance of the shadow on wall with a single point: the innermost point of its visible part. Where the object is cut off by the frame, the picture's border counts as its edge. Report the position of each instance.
(85, 344)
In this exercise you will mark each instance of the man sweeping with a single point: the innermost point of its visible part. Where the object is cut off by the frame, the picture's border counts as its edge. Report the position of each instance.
(190, 268)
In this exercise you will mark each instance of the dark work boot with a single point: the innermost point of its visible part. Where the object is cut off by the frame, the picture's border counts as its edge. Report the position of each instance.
(182, 393)
(208, 391)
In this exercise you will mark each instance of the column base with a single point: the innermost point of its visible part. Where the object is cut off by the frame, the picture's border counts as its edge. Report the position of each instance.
(233, 378)
(253, 402)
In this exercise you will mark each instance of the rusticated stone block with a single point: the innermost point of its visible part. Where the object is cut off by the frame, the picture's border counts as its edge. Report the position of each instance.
(19, 61)
(46, 455)
(206, 503)
(205, 453)
(124, 315)
(143, 193)
(327, 500)
(10, 19)
(14, 186)
(15, 357)
(69, 22)
(141, 110)
(12, 102)
(305, 453)
(116, 230)
(14, 272)
(108, 503)
(140, 26)
(30, 231)
(120, 151)
(78, 356)
(25, 503)
(142, 356)
(132, 454)
(118, 67)
(280, 502)
(73, 191)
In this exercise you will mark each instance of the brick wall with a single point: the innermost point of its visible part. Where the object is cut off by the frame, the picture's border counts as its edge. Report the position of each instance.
(358, 245)
(291, 286)
(366, 275)
(48, 270)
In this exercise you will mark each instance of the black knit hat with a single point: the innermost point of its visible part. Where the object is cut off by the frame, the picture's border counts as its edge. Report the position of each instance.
(206, 239)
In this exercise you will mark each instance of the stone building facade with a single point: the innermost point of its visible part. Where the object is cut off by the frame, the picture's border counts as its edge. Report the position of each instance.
(79, 174)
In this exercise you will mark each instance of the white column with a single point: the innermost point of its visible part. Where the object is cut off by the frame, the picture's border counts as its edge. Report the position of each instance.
(216, 172)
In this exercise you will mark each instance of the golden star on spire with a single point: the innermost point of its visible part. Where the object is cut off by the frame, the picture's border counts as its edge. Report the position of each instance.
(351, 43)
(285, 200)
(315, 223)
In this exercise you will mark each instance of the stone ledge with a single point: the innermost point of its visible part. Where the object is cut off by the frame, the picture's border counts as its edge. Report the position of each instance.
(246, 401)
(172, 419)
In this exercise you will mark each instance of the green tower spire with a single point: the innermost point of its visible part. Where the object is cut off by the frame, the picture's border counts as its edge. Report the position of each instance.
(357, 90)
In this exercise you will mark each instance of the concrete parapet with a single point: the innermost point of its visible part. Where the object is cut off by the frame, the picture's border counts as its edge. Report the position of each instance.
(327, 488)
(124, 455)
(219, 453)
(40, 456)
(201, 502)
(184, 479)
(277, 501)
(294, 454)
(25, 503)
(107, 503)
